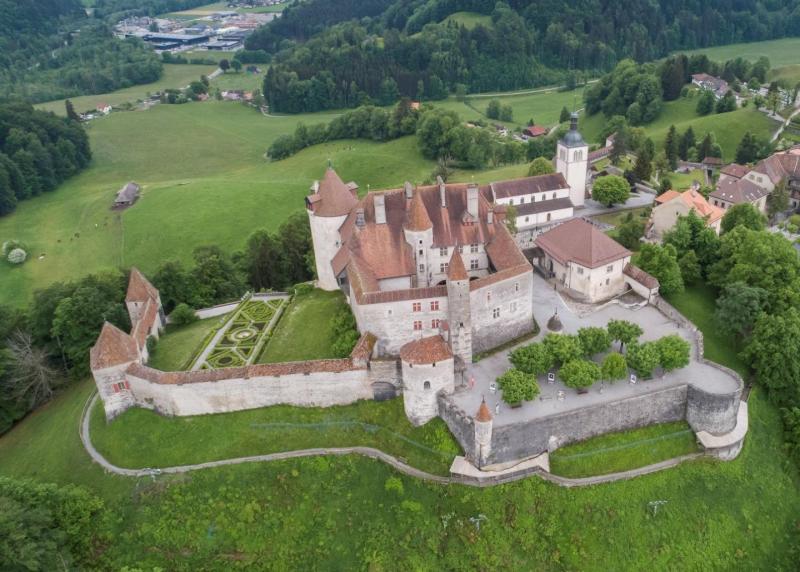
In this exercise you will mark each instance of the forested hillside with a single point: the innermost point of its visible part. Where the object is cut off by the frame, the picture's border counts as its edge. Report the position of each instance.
(50, 49)
(329, 53)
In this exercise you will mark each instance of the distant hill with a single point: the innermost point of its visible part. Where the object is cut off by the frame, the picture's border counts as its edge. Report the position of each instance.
(329, 53)
(50, 49)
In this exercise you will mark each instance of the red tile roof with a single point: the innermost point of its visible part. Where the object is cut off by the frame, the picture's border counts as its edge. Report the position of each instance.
(139, 288)
(779, 166)
(143, 326)
(456, 269)
(579, 241)
(693, 200)
(418, 219)
(738, 191)
(647, 280)
(426, 350)
(113, 347)
(333, 197)
(529, 185)
(483, 413)
(735, 170)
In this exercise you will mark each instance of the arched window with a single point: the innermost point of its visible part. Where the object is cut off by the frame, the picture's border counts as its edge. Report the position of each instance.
(578, 155)
(426, 385)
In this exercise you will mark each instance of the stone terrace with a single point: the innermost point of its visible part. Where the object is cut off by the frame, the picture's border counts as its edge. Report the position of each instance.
(545, 301)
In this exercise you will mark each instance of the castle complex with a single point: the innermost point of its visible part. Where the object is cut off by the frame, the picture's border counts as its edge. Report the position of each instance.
(433, 277)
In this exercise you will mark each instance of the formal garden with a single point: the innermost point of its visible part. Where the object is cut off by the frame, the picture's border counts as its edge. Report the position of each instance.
(241, 339)
(583, 359)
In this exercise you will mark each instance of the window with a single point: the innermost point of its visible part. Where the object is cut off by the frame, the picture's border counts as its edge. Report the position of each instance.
(527, 218)
(460, 249)
(580, 270)
(443, 252)
(421, 252)
(473, 248)
(610, 268)
(443, 267)
(496, 313)
(426, 385)
(420, 243)
(416, 307)
(548, 217)
(516, 286)
(434, 305)
(513, 307)
(553, 196)
(473, 264)
(422, 268)
(608, 281)
(417, 325)
(435, 324)
(488, 296)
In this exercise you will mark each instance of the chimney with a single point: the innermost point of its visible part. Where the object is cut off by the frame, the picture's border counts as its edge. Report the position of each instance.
(409, 190)
(380, 209)
(442, 191)
(490, 216)
(360, 218)
(472, 201)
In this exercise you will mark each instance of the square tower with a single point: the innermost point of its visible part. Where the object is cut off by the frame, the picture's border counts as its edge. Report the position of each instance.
(572, 161)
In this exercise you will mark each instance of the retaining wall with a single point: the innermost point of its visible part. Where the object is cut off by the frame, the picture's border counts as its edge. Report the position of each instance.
(460, 424)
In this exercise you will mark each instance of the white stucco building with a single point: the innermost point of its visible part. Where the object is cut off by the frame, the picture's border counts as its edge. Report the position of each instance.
(572, 161)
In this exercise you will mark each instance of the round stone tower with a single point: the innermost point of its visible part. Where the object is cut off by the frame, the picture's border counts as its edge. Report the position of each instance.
(483, 434)
(427, 366)
(328, 205)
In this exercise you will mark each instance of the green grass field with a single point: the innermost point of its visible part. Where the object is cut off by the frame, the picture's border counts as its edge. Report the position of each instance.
(623, 451)
(304, 331)
(544, 107)
(205, 181)
(682, 181)
(178, 345)
(729, 128)
(175, 76)
(781, 52)
(469, 19)
(241, 80)
(166, 441)
(616, 218)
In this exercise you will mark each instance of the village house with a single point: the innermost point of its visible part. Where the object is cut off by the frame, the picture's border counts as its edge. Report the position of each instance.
(674, 204)
(719, 87)
(127, 195)
(590, 265)
(534, 131)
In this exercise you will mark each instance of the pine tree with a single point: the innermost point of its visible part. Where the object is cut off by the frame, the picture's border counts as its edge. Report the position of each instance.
(644, 164)
(671, 147)
(71, 113)
(564, 117)
(619, 147)
(686, 144)
(747, 151)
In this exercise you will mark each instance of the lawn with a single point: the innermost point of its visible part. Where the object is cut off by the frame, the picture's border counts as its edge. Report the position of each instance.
(616, 218)
(682, 181)
(242, 80)
(544, 107)
(166, 441)
(469, 19)
(623, 451)
(698, 303)
(781, 52)
(729, 128)
(179, 345)
(201, 166)
(305, 330)
(175, 76)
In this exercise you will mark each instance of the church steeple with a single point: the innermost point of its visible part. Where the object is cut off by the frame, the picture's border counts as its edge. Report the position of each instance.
(572, 161)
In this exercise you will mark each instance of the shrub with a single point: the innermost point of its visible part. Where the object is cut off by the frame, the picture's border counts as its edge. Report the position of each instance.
(534, 359)
(182, 315)
(580, 373)
(518, 386)
(643, 358)
(303, 288)
(17, 256)
(673, 351)
(345, 334)
(594, 340)
(564, 348)
(614, 367)
(10, 245)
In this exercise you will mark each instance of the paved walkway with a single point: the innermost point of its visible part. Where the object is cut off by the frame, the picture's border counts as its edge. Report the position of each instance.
(390, 460)
(555, 397)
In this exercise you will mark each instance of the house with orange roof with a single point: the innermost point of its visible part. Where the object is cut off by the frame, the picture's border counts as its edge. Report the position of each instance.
(674, 204)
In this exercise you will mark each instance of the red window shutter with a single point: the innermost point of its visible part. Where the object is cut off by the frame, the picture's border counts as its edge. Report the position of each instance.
(116, 387)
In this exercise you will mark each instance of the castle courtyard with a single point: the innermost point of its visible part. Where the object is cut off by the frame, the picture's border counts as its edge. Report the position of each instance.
(556, 398)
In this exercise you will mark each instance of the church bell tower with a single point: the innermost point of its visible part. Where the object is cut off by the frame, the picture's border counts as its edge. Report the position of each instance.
(572, 161)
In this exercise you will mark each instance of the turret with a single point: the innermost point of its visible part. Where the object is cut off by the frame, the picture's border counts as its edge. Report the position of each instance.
(458, 306)
(328, 205)
(428, 370)
(483, 434)
(418, 231)
(572, 161)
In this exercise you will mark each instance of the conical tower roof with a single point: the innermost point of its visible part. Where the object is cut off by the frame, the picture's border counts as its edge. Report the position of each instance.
(335, 198)
(456, 270)
(484, 414)
(418, 219)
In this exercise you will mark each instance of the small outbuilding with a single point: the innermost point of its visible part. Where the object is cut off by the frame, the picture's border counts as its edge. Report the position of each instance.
(127, 195)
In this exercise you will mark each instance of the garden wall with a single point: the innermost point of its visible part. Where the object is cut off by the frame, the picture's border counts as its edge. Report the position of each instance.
(460, 424)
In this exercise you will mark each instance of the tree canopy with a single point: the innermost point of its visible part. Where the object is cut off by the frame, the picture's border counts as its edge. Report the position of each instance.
(610, 190)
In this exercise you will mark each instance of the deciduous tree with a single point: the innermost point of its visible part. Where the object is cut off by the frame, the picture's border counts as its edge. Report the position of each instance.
(614, 367)
(745, 215)
(662, 262)
(623, 332)
(610, 190)
(518, 386)
(579, 373)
